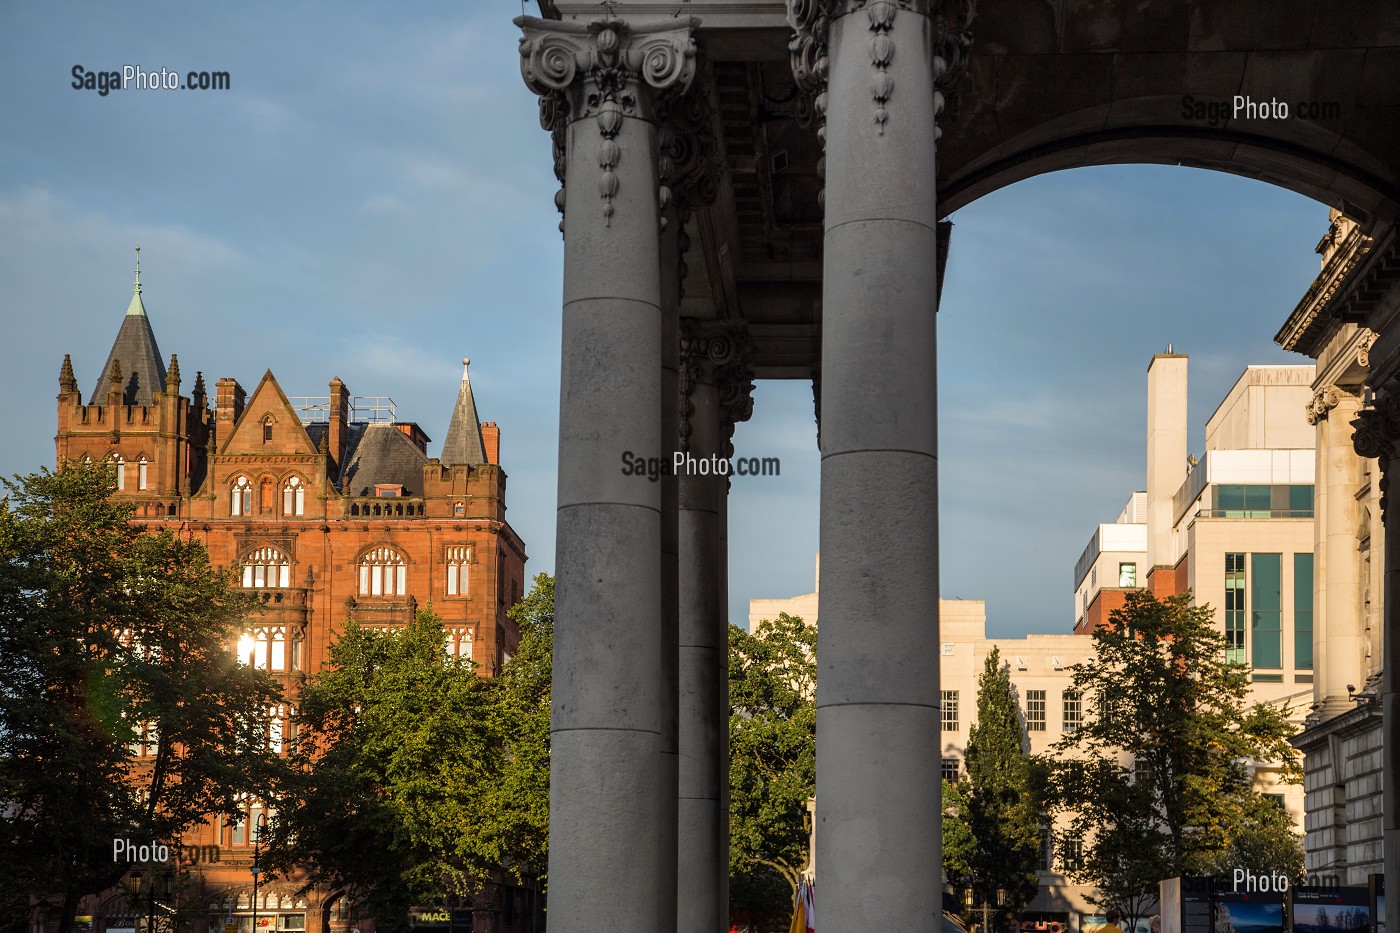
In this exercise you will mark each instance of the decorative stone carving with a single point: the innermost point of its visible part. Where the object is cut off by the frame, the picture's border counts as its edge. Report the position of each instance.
(606, 70)
(1363, 350)
(689, 165)
(1378, 429)
(717, 352)
(1328, 398)
(809, 55)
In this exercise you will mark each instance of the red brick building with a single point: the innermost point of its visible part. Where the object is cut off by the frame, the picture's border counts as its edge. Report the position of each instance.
(332, 509)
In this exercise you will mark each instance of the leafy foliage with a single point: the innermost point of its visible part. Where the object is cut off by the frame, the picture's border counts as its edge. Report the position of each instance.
(772, 769)
(394, 770)
(1156, 781)
(104, 628)
(1003, 817)
(959, 848)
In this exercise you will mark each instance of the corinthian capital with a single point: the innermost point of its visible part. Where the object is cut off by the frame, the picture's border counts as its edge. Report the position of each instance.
(607, 61)
(716, 352)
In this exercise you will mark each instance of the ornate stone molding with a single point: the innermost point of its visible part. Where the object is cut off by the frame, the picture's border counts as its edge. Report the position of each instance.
(809, 54)
(1378, 429)
(1328, 398)
(689, 166)
(717, 352)
(1363, 349)
(605, 70)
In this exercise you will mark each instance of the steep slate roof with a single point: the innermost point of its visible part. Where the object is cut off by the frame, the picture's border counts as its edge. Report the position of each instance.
(464, 445)
(379, 452)
(135, 348)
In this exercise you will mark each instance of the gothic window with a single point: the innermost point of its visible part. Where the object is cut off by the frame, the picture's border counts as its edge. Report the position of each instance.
(458, 562)
(281, 729)
(382, 573)
(267, 568)
(459, 509)
(241, 502)
(293, 497)
(141, 472)
(265, 648)
(120, 465)
(459, 643)
(267, 429)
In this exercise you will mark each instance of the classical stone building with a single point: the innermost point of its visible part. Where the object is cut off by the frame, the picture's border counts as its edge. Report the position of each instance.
(331, 509)
(809, 153)
(1344, 736)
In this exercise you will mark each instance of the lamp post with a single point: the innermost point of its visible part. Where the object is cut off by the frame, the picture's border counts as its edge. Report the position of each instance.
(257, 868)
(970, 901)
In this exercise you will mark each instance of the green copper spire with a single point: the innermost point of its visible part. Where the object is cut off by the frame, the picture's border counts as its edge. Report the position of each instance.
(136, 307)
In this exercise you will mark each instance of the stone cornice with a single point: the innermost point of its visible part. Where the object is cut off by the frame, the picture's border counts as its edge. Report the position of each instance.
(1362, 269)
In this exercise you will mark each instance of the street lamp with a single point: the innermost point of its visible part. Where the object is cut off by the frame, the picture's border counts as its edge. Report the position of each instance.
(970, 900)
(258, 828)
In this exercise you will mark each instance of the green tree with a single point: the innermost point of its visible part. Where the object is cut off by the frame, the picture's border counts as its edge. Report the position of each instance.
(772, 764)
(1003, 815)
(517, 825)
(395, 762)
(113, 641)
(959, 848)
(1156, 782)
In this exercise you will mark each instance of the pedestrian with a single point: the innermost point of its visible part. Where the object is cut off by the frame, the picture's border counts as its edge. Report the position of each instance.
(1111, 926)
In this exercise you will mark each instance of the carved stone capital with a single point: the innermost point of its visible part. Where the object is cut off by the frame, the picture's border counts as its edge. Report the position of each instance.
(1378, 429)
(716, 352)
(1363, 350)
(1328, 398)
(809, 54)
(605, 70)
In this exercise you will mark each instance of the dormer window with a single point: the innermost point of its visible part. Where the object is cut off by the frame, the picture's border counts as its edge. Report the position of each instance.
(267, 429)
(388, 490)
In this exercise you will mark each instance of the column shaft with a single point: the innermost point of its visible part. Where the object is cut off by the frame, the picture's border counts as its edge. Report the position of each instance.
(1390, 695)
(703, 844)
(878, 848)
(1342, 612)
(667, 830)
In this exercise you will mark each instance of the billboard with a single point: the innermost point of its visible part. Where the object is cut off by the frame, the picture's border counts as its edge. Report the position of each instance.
(1331, 910)
(1248, 912)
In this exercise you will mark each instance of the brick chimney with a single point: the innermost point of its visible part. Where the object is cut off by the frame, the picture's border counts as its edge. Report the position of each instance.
(228, 403)
(339, 422)
(491, 439)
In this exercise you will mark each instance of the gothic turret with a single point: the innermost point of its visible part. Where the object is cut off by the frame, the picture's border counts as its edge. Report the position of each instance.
(135, 348)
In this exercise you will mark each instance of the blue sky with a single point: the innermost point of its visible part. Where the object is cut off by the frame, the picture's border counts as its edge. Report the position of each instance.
(373, 199)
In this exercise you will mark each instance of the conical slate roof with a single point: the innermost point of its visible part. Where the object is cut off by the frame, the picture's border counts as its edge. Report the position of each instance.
(136, 351)
(464, 445)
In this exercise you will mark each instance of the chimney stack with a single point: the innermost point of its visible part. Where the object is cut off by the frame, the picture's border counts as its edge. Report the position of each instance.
(491, 440)
(228, 403)
(339, 423)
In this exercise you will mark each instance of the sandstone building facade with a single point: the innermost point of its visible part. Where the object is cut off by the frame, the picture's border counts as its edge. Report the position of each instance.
(332, 509)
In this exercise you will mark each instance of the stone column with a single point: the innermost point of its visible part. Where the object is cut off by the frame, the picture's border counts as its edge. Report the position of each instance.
(666, 829)
(1338, 562)
(599, 84)
(703, 849)
(878, 807)
(1378, 435)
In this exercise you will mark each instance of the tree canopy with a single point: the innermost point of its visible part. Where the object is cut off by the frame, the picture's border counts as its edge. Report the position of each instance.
(772, 762)
(123, 713)
(1156, 782)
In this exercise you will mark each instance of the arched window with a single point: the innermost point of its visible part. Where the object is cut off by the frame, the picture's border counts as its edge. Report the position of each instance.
(459, 643)
(267, 568)
(120, 464)
(267, 429)
(293, 497)
(458, 562)
(382, 573)
(241, 502)
(141, 472)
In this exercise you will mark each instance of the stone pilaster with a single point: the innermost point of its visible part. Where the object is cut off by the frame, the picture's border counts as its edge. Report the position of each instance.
(1378, 435)
(1338, 615)
(601, 85)
(872, 69)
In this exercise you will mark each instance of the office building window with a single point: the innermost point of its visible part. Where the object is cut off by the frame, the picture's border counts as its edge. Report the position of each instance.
(1071, 854)
(1093, 576)
(950, 770)
(1127, 575)
(950, 710)
(1303, 611)
(1234, 608)
(1035, 710)
(1266, 618)
(1074, 710)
